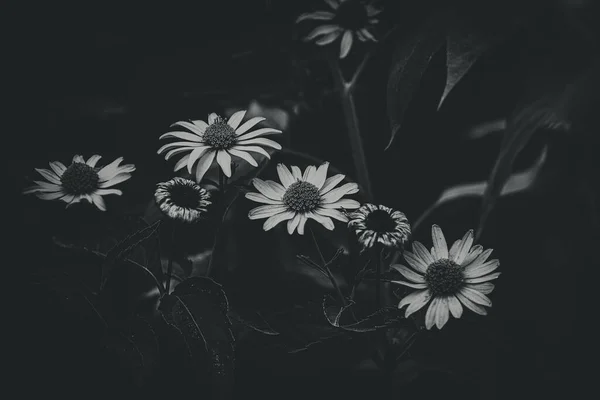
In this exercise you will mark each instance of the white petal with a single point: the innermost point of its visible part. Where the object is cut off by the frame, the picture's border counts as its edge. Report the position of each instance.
(346, 44)
(235, 120)
(45, 187)
(337, 193)
(266, 211)
(271, 222)
(476, 308)
(224, 160)
(212, 117)
(332, 3)
(482, 279)
(475, 296)
(293, 223)
(431, 313)
(417, 301)
(267, 189)
(415, 262)
(480, 259)
(78, 159)
(182, 135)
(420, 251)
(452, 251)
(321, 175)
(244, 156)
(439, 242)
(182, 163)
(115, 180)
(465, 246)
(409, 284)
(331, 182)
(93, 160)
(321, 30)
(368, 34)
(248, 124)
(104, 192)
(180, 150)
(343, 203)
(204, 164)
(285, 176)
(309, 173)
(408, 273)
(58, 167)
(109, 170)
(296, 172)
(473, 254)
(198, 130)
(200, 124)
(328, 38)
(195, 155)
(260, 141)
(50, 196)
(49, 175)
(99, 202)
(485, 288)
(475, 271)
(258, 132)
(68, 198)
(455, 306)
(301, 224)
(442, 314)
(253, 149)
(323, 220)
(261, 198)
(176, 144)
(330, 212)
(317, 15)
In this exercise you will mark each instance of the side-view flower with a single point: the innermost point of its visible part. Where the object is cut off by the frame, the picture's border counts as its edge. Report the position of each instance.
(182, 199)
(379, 225)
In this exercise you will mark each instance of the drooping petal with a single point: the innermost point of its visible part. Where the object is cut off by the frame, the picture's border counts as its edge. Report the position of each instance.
(408, 273)
(198, 130)
(485, 288)
(224, 161)
(365, 32)
(271, 222)
(195, 155)
(328, 38)
(475, 270)
(317, 15)
(293, 223)
(439, 242)
(248, 124)
(339, 192)
(109, 170)
(455, 306)
(182, 135)
(260, 141)
(50, 196)
(258, 132)
(58, 167)
(415, 262)
(267, 189)
(266, 211)
(301, 224)
(69, 198)
(204, 164)
(235, 119)
(261, 198)
(244, 156)
(476, 297)
(182, 163)
(99, 202)
(179, 150)
(285, 176)
(321, 30)
(115, 180)
(329, 212)
(346, 44)
(416, 301)
(485, 278)
(442, 314)
(49, 175)
(46, 187)
(409, 284)
(104, 192)
(253, 149)
(331, 182)
(430, 316)
(476, 308)
(343, 203)
(322, 219)
(93, 160)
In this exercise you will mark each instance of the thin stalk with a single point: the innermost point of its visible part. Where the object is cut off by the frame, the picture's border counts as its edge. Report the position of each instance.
(378, 265)
(170, 265)
(326, 268)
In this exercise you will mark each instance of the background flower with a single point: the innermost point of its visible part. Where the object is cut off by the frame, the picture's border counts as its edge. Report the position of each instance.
(379, 225)
(302, 196)
(81, 181)
(448, 278)
(347, 18)
(218, 140)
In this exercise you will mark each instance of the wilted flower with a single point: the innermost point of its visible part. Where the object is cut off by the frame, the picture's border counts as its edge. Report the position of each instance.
(302, 196)
(347, 19)
(449, 278)
(218, 139)
(81, 181)
(379, 225)
(182, 199)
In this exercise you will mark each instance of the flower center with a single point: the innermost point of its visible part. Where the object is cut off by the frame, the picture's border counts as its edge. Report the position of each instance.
(302, 196)
(352, 15)
(79, 178)
(219, 135)
(380, 221)
(444, 277)
(185, 196)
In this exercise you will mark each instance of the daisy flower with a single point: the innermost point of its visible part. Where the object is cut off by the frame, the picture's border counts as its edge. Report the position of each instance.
(218, 140)
(450, 279)
(300, 196)
(346, 18)
(379, 225)
(182, 199)
(81, 180)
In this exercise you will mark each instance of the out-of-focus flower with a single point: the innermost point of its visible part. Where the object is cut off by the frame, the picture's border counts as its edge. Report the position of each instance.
(218, 140)
(300, 196)
(81, 181)
(448, 278)
(182, 200)
(347, 18)
(379, 225)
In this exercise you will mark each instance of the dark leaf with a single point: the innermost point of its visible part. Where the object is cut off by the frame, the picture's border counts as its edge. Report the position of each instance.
(252, 320)
(410, 60)
(135, 344)
(546, 113)
(198, 308)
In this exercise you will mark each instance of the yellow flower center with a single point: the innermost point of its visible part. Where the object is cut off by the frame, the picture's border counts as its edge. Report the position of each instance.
(302, 196)
(380, 221)
(79, 178)
(444, 277)
(219, 135)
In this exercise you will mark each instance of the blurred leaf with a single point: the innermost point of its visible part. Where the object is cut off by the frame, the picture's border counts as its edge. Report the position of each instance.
(410, 60)
(126, 247)
(135, 343)
(251, 319)
(198, 307)
(546, 113)
(462, 50)
(487, 128)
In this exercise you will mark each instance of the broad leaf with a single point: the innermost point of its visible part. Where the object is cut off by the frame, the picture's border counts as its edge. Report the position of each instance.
(410, 60)
(546, 113)
(198, 308)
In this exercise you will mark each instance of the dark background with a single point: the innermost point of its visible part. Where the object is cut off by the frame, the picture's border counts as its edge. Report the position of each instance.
(110, 79)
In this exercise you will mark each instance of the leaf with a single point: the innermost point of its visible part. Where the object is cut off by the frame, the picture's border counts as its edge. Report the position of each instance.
(252, 320)
(135, 344)
(462, 50)
(124, 248)
(545, 113)
(198, 307)
(410, 60)
(383, 318)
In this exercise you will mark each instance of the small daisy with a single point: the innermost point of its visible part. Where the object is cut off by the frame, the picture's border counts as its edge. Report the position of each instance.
(218, 140)
(182, 199)
(449, 278)
(81, 181)
(379, 225)
(302, 196)
(348, 18)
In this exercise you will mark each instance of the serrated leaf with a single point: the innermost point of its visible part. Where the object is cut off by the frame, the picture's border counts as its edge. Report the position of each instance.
(125, 247)
(252, 320)
(410, 60)
(462, 51)
(546, 113)
(198, 308)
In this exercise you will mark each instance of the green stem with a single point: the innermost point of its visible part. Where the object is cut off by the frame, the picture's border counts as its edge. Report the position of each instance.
(170, 265)
(378, 264)
(326, 268)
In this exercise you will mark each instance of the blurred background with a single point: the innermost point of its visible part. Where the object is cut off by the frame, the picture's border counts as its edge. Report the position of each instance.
(110, 79)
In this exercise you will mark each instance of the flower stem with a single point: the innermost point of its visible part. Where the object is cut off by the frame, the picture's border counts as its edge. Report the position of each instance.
(326, 268)
(222, 183)
(378, 265)
(170, 265)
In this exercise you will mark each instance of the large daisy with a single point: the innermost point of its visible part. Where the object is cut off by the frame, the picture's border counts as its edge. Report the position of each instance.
(346, 18)
(218, 140)
(182, 200)
(301, 196)
(447, 279)
(81, 180)
(379, 225)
